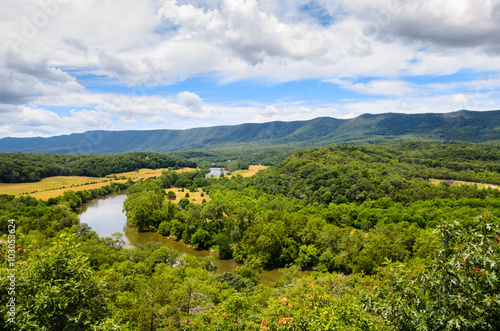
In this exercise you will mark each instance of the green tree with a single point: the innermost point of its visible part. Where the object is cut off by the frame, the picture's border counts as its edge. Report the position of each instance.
(164, 228)
(458, 291)
(140, 207)
(183, 203)
(171, 195)
(56, 290)
(201, 239)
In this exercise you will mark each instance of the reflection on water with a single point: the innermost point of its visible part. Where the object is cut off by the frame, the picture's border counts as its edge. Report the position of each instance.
(140, 238)
(105, 216)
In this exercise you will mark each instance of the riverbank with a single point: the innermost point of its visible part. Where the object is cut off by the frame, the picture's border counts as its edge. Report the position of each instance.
(105, 216)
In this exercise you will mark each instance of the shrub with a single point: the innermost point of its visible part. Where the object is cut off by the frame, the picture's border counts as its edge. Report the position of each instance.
(459, 290)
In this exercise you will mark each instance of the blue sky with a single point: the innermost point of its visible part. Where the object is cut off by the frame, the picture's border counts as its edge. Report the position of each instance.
(71, 66)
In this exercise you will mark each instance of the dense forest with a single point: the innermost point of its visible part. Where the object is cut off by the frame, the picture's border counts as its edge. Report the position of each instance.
(21, 168)
(389, 248)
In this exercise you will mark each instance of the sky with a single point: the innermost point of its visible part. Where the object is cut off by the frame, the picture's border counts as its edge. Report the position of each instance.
(78, 65)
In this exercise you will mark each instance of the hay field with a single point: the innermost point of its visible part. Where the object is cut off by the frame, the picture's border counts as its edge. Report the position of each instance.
(252, 170)
(52, 187)
(194, 197)
(461, 182)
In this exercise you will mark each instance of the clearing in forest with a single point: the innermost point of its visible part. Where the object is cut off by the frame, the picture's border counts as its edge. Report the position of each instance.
(194, 197)
(252, 170)
(461, 183)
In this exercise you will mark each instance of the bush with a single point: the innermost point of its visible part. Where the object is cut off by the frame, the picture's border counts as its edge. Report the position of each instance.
(458, 291)
(164, 228)
(57, 289)
(201, 239)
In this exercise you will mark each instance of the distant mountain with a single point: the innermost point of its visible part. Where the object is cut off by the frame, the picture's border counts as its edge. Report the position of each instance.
(460, 126)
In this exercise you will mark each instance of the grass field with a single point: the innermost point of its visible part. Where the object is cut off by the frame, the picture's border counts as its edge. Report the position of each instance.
(252, 170)
(194, 197)
(460, 182)
(52, 187)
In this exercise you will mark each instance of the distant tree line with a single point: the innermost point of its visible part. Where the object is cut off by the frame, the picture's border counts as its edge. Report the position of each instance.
(21, 168)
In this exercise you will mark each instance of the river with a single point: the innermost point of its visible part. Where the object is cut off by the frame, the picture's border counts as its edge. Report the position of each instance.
(105, 216)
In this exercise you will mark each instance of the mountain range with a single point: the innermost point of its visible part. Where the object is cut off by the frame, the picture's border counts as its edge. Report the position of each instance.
(460, 126)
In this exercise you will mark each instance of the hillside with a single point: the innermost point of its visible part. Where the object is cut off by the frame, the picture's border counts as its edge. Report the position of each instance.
(22, 168)
(461, 126)
(362, 237)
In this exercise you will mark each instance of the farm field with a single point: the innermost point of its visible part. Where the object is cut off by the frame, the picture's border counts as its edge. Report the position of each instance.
(252, 170)
(194, 197)
(52, 187)
(462, 183)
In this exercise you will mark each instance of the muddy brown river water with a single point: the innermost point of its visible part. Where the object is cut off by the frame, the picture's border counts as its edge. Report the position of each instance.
(105, 216)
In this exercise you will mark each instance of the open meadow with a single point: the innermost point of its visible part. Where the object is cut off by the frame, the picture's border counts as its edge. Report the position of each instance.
(52, 187)
(463, 183)
(194, 197)
(252, 170)
(198, 197)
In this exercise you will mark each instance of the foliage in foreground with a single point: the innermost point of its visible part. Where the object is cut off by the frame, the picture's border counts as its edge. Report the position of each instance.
(55, 289)
(316, 302)
(460, 290)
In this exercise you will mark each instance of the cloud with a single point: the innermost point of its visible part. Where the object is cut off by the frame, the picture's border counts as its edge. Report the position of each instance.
(459, 99)
(77, 44)
(251, 34)
(156, 120)
(371, 50)
(348, 116)
(23, 79)
(86, 118)
(28, 121)
(39, 118)
(36, 67)
(448, 24)
(168, 41)
(190, 100)
(379, 87)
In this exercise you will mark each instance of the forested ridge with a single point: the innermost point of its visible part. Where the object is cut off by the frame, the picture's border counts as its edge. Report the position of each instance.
(389, 249)
(459, 126)
(21, 168)
(401, 171)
